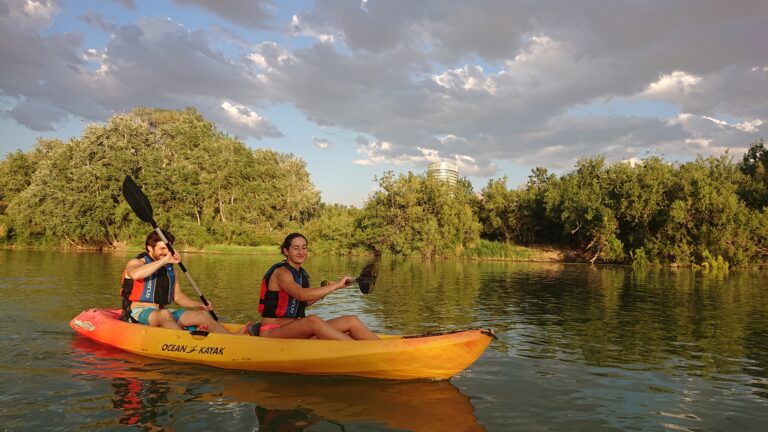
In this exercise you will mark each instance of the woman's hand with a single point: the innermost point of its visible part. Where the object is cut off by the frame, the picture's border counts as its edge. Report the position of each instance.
(345, 282)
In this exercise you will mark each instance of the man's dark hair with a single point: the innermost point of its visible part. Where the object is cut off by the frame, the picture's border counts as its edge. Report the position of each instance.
(154, 238)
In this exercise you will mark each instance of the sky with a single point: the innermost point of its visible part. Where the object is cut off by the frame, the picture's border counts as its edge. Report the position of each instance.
(358, 88)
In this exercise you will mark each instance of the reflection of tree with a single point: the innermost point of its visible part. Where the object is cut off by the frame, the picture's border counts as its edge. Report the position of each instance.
(143, 402)
(679, 319)
(414, 296)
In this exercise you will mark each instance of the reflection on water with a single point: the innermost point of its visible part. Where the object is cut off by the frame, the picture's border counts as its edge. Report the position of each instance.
(145, 391)
(580, 348)
(143, 402)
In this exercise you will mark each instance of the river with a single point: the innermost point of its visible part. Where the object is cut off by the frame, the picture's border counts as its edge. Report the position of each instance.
(579, 348)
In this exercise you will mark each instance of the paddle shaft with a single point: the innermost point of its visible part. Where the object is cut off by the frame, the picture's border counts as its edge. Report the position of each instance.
(184, 270)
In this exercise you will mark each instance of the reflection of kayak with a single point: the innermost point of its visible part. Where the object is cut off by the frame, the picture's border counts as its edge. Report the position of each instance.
(433, 356)
(280, 401)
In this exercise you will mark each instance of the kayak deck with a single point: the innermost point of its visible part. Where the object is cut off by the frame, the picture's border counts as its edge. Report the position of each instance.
(432, 356)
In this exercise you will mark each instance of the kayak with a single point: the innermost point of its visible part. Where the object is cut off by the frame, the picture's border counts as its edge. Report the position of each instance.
(429, 356)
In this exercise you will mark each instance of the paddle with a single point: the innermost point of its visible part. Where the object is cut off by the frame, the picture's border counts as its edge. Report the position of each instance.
(143, 209)
(367, 278)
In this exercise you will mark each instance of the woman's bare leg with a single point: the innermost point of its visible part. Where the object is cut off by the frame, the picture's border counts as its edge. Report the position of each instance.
(305, 328)
(352, 325)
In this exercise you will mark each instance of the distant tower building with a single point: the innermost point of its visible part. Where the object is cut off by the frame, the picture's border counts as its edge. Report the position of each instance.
(447, 171)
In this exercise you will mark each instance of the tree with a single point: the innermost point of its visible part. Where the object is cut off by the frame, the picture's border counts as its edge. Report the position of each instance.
(580, 203)
(414, 214)
(706, 216)
(640, 195)
(754, 165)
(496, 211)
(332, 229)
(203, 184)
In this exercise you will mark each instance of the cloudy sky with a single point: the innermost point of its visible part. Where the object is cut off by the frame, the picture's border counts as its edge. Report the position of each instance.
(356, 88)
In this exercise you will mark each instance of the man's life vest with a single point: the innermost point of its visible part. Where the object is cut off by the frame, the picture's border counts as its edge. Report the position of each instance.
(278, 304)
(156, 288)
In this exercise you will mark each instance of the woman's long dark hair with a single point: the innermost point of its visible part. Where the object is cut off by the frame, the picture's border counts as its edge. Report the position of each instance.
(287, 242)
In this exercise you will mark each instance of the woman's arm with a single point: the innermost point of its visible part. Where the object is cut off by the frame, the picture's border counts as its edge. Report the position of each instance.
(286, 283)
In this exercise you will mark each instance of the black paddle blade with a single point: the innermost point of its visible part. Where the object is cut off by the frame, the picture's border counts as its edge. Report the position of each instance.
(138, 201)
(367, 278)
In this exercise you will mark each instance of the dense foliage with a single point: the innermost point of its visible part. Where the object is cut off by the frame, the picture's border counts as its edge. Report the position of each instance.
(212, 189)
(709, 211)
(418, 215)
(202, 184)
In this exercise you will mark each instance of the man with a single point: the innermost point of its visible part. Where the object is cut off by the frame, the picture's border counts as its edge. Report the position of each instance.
(150, 283)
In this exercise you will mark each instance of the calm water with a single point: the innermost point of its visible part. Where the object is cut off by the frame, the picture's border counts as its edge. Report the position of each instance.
(579, 349)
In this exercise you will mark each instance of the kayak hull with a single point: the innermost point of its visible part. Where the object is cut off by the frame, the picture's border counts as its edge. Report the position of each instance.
(438, 356)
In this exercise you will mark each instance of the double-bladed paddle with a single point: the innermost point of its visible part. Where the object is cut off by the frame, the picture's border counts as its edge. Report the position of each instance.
(143, 209)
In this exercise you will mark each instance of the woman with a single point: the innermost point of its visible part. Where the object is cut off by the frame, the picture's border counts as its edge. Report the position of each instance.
(285, 293)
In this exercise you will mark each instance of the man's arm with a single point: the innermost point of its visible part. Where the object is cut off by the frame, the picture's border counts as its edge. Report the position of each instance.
(138, 269)
(184, 301)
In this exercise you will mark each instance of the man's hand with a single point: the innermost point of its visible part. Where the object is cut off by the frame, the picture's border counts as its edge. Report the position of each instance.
(173, 259)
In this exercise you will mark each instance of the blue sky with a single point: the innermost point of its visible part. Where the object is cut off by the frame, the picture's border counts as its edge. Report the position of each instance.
(357, 88)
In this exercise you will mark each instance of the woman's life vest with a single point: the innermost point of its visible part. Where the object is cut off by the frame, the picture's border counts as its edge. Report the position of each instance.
(278, 304)
(156, 288)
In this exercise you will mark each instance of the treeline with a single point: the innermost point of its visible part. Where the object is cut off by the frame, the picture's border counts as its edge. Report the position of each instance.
(210, 188)
(710, 211)
(204, 185)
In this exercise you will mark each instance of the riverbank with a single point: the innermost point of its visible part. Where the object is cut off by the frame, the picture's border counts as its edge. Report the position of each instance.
(483, 251)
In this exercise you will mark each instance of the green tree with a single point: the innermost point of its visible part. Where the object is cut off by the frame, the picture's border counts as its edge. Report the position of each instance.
(332, 229)
(419, 215)
(754, 165)
(496, 211)
(706, 215)
(204, 185)
(534, 223)
(640, 196)
(581, 204)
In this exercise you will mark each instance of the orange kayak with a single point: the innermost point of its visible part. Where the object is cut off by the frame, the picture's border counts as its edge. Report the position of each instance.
(429, 356)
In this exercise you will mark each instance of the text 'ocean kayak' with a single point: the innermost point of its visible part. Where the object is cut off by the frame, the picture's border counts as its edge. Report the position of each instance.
(431, 356)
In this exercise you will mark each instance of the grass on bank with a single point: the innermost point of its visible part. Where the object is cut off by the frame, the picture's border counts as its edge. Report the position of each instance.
(486, 249)
(243, 250)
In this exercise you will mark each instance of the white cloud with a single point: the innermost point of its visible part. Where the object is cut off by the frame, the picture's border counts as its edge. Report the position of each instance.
(671, 85)
(745, 126)
(248, 122)
(466, 78)
(301, 29)
(378, 153)
(40, 10)
(321, 143)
